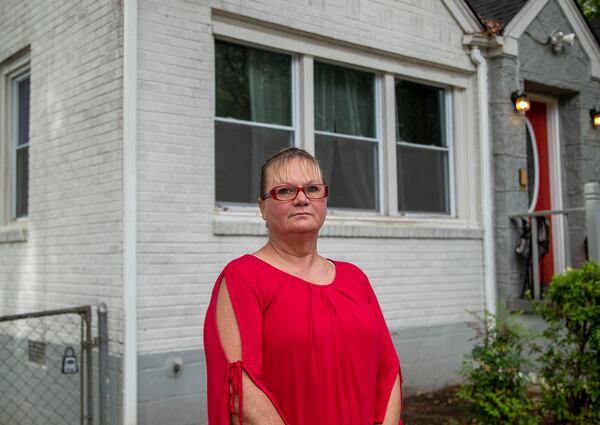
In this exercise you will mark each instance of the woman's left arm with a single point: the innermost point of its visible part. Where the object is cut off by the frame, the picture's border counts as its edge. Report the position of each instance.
(388, 397)
(393, 413)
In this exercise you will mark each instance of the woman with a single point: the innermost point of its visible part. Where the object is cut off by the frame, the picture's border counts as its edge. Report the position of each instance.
(291, 337)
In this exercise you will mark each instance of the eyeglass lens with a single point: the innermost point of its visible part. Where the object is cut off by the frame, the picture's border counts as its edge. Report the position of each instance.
(315, 191)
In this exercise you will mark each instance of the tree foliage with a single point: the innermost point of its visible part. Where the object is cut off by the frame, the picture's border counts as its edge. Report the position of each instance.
(495, 382)
(591, 8)
(570, 355)
(566, 366)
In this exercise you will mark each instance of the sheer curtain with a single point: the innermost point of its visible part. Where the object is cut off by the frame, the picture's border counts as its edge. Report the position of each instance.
(344, 105)
(269, 84)
(253, 87)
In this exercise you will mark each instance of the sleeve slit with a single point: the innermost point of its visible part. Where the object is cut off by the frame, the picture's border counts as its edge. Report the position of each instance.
(379, 420)
(237, 368)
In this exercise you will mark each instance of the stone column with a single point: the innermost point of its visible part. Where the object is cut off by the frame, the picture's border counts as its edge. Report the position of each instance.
(592, 219)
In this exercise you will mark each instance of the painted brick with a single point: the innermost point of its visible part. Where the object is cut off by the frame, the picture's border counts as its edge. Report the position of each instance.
(73, 252)
(75, 229)
(418, 281)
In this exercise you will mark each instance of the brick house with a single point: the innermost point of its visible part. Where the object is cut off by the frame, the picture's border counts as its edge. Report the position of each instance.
(132, 132)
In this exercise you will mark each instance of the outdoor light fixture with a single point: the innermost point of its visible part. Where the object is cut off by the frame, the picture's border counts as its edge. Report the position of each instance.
(558, 39)
(521, 101)
(595, 115)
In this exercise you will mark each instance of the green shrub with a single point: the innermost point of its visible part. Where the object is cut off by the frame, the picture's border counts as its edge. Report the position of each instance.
(496, 386)
(569, 358)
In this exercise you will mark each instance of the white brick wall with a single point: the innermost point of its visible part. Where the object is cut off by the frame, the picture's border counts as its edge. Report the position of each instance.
(419, 281)
(73, 253)
(412, 28)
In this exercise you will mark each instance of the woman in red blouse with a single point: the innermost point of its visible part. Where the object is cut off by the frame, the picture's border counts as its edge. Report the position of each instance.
(292, 337)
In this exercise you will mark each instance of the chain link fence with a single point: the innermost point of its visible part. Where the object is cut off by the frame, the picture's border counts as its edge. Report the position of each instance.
(45, 368)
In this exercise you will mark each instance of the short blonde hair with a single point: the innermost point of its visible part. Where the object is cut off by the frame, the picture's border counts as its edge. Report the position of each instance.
(281, 159)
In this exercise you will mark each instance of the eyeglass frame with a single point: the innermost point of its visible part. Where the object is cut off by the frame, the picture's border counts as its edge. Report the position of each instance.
(273, 192)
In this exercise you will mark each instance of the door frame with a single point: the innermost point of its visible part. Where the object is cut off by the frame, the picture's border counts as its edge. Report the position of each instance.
(559, 235)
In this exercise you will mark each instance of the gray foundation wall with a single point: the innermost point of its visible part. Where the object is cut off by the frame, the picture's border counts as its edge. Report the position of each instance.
(429, 356)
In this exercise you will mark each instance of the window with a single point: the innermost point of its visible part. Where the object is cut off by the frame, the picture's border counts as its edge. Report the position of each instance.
(346, 135)
(384, 142)
(14, 139)
(254, 117)
(20, 145)
(422, 148)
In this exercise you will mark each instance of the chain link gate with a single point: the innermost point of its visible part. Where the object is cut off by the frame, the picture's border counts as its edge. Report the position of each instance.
(46, 368)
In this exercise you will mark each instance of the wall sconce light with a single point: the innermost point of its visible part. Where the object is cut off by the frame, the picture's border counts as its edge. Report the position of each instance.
(595, 116)
(521, 101)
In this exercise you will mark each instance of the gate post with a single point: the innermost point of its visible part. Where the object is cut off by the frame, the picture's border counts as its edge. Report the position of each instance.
(592, 219)
(103, 399)
(89, 345)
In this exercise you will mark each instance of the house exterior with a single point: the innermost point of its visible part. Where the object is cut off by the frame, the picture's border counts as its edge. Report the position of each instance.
(555, 143)
(132, 132)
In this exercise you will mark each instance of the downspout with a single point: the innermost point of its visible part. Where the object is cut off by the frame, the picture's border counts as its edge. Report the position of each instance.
(487, 183)
(129, 212)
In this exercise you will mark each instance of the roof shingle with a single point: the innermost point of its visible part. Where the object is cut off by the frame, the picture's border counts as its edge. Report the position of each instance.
(500, 10)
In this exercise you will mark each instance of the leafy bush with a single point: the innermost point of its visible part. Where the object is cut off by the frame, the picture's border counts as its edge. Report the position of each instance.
(569, 359)
(496, 385)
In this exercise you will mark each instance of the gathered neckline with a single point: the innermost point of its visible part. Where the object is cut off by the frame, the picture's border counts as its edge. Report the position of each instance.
(318, 285)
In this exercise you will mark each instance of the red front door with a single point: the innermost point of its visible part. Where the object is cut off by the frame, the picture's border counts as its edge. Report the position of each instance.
(538, 118)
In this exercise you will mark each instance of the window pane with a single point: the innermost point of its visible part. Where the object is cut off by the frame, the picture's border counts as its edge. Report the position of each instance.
(22, 181)
(420, 114)
(344, 101)
(240, 152)
(253, 85)
(23, 111)
(422, 180)
(350, 169)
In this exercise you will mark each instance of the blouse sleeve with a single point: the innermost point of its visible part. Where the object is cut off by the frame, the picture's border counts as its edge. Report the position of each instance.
(388, 367)
(248, 305)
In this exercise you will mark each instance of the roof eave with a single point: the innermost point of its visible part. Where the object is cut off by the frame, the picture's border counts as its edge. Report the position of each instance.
(464, 15)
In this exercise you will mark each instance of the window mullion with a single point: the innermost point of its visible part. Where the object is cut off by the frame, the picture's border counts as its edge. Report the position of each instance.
(307, 104)
(388, 146)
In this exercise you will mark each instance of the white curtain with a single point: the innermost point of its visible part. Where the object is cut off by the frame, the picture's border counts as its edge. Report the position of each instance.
(344, 105)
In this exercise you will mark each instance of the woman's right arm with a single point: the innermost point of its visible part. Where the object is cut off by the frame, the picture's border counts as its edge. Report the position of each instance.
(257, 407)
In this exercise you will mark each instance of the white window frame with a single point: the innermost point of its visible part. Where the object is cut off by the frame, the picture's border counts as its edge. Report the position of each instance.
(295, 72)
(11, 73)
(463, 220)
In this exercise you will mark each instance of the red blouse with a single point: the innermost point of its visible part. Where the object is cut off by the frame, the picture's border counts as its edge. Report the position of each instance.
(321, 353)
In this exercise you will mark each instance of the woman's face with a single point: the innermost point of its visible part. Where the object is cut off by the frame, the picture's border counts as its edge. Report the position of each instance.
(300, 215)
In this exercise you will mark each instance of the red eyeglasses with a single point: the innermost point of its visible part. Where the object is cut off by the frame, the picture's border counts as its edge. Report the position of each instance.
(289, 193)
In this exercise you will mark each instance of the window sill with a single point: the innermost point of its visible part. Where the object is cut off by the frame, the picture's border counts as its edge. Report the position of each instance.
(14, 232)
(247, 223)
